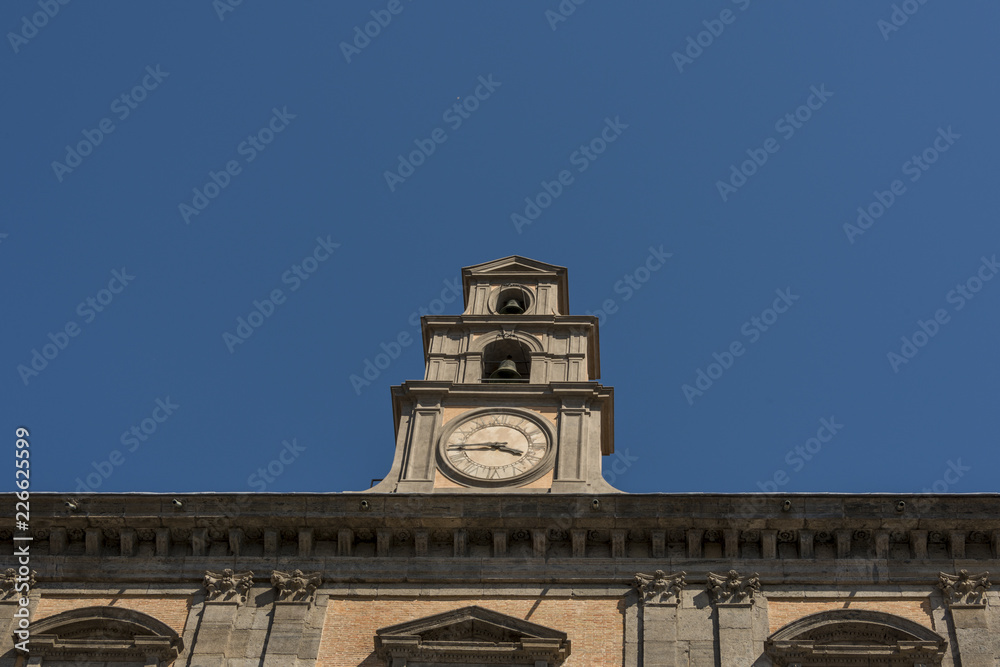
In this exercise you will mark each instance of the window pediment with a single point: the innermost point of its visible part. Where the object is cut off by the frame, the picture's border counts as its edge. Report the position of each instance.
(107, 633)
(844, 635)
(472, 635)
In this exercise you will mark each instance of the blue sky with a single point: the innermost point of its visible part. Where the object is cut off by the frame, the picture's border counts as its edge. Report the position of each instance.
(822, 175)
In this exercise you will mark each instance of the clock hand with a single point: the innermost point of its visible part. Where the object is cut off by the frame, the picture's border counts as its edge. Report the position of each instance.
(478, 446)
(489, 445)
(511, 450)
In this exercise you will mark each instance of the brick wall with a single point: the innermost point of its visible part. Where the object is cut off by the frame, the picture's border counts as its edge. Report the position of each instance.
(169, 609)
(782, 612)
(594, 626)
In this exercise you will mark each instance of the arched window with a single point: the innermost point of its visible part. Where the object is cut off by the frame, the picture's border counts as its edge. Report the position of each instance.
(99, 636)
(844, 637)
(510, 350)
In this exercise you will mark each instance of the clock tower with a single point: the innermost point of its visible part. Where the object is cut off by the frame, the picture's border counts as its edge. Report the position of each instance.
(510, 400)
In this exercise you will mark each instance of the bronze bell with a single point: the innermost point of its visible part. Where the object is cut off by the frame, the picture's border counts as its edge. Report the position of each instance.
(512, 308)
(506, 371)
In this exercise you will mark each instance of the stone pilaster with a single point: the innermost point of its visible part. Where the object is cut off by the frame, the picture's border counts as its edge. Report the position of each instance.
(570, 472)
(11, 612)
(965, 595)
(734, 597)
(218, 618)
(659, 597)
(297, 622)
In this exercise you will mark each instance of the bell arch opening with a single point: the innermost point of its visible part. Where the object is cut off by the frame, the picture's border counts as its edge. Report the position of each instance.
(506, 360)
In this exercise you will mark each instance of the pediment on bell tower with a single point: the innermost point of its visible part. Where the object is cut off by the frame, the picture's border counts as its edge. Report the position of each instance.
(538, 288)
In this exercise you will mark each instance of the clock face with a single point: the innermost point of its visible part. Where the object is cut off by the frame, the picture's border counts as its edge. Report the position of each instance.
(496, 448)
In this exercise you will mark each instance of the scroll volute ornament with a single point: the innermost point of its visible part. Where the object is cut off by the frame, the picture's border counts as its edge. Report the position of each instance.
(964, 588)
(659, 588)
(227, 585)
(296, 586)
(733, 589)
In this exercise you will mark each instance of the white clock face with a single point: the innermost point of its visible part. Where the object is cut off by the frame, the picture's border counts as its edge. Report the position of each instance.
(496, 447)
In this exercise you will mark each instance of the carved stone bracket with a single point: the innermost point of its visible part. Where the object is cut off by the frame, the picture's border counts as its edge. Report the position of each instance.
(296, 586)
(10, 580)
(658, 588)
(965, 588)
(227, 585)
(732, 589)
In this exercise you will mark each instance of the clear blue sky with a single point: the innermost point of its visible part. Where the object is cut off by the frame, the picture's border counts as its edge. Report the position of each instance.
(746, 135)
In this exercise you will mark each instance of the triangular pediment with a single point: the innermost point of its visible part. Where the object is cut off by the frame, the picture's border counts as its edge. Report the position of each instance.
(516, 270)
(472, 623)
(463, 634)
(513, 264)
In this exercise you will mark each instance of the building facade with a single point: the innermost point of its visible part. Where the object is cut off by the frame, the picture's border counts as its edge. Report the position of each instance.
(495, 540)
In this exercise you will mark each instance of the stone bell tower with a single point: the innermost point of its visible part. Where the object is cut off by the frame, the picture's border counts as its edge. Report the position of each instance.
(509, 401)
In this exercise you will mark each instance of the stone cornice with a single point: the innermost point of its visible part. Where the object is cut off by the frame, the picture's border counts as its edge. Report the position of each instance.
(821, 534)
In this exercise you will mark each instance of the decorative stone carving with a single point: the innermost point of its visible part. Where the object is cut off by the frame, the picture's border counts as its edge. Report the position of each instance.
(658, 588)
(854, 637)
(965, 588)
(227, 585)
(93, 635)
(296, 586)
(732, 589)
(10, 580)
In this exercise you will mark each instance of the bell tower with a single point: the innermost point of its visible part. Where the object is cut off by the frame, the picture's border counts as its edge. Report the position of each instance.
(510, 400)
